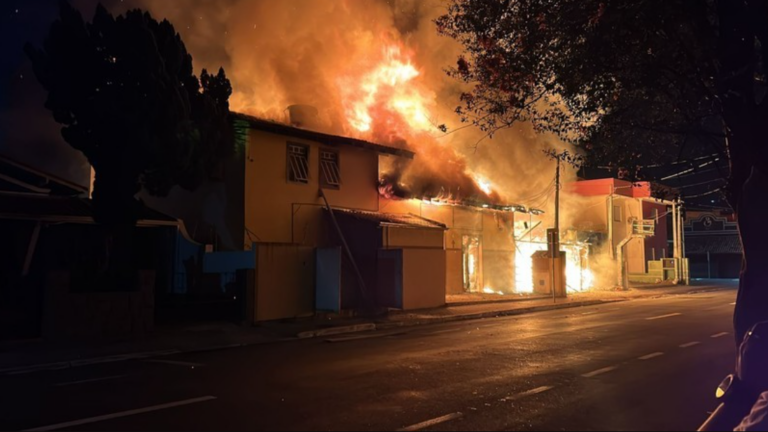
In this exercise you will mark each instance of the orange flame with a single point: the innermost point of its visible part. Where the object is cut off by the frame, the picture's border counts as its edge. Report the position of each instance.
(387, 94)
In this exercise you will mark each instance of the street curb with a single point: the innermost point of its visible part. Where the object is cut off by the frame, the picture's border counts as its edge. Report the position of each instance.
(85, 362)
(332, 331)
(503, 301)
(495, 314)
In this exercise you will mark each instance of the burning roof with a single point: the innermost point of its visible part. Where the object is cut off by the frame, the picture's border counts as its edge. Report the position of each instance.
(327, 139)
(391, 219)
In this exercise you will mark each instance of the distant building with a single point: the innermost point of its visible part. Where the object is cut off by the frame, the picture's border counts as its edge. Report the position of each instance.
(52, 259)
(617, 211)
(713, 244)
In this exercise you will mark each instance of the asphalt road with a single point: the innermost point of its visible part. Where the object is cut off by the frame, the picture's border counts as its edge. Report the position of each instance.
(640, 365)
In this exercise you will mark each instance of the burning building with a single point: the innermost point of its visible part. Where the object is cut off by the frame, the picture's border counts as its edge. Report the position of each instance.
(376, 149)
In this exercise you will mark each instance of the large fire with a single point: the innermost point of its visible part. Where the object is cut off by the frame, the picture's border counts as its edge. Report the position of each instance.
(385, 102)
(578, 275)
(386, 92)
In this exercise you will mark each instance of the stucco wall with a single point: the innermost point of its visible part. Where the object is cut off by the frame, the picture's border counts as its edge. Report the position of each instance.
(454, 283)
(413, 237)
(423, 278)
(272, 202)
(285, 281)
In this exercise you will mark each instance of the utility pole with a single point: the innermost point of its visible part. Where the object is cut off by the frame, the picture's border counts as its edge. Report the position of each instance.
(557, 203)
(610, 220)
(555, 240)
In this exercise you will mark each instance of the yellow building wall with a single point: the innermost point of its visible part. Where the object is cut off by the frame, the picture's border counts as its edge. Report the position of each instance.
(423, 278)
(499, 251)
(495, 228)
(285, 281)
(396, 238)
(279, 211)
(593, 216)
(454, 272)
(589, 213)
(635, 249)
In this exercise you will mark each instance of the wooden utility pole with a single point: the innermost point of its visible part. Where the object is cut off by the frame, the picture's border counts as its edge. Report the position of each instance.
(555, 240)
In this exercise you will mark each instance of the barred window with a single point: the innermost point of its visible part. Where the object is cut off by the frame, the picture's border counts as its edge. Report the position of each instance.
(330, 174)
(298, 163)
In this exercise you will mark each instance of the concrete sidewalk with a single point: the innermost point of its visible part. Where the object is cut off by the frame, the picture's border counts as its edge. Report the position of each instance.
(31, 356)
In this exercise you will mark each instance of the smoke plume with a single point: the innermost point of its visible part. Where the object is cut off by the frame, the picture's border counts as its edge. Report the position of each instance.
(323, 53)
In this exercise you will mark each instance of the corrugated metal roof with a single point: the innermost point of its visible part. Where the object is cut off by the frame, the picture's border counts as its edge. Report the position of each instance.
(716, 244)
(63, 209)
(20, 177)
(392, 219)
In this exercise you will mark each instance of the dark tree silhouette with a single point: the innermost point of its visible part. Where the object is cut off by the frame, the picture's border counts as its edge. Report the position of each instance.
(633, 82)
(124, 90)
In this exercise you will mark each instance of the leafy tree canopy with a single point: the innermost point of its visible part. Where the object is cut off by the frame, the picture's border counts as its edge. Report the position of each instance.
(635, 82)
(125, 92)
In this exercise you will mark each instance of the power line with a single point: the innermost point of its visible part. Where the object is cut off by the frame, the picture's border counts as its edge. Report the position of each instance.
(704, 194)
(700, 184)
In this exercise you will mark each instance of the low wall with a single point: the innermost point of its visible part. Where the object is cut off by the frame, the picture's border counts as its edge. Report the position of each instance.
(285, 281)
(424, 276)
(90, 316)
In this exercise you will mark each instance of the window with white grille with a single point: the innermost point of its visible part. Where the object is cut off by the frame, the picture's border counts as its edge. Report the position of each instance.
(330, 174)
(298, 163)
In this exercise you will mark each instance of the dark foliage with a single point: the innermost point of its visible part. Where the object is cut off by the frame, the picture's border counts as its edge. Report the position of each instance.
(634, 82)
(125, 92)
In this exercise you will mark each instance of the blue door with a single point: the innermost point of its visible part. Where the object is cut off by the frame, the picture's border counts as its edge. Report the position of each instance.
(328, 283)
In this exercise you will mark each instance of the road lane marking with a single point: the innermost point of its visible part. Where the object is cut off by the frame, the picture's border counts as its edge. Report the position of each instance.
(121, 414)
(600, 372)
(651, 356)
(175, 363)
(663, 316)
(433, 422)
(533, 392)
(92, 380)
(719, 335)
(690, 344)
(733, 304)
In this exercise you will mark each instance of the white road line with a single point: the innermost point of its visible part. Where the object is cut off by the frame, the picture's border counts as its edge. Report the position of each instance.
(651, 356)
(663, 316)
(719, 335)
(600, 372)
(533, 392)
(92, 380)
(122, 414)
(433, 422)
(175, 363)
(690, 344)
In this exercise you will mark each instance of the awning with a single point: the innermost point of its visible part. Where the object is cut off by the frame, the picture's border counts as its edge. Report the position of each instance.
(63, 209)
(392, 219)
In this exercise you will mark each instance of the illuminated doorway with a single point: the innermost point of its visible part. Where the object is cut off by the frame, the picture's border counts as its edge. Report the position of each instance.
(472, 258)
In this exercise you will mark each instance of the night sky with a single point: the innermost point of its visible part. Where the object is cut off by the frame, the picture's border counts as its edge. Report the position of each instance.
(27, 132)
